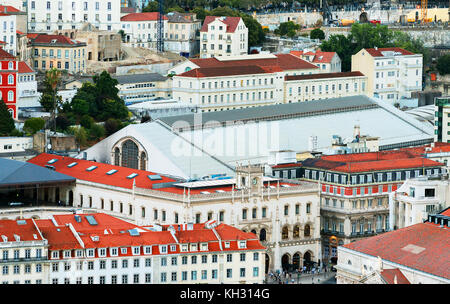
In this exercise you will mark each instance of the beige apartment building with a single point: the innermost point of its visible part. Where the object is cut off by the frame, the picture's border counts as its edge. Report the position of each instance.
(100, 45)
(393, 73)
(322, 86)
(223, 36)
(58, 51)
(182, 33)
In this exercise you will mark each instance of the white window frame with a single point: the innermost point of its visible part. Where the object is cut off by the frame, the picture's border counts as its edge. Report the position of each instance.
(136, 250)
(147, 249)
(114, 251)
(101, 252)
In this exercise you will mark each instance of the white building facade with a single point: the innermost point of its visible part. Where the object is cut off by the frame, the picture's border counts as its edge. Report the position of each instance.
(49, 16)
(223, 36)
(416, 199)
(8, 33)
(393, 73)
(141, 29)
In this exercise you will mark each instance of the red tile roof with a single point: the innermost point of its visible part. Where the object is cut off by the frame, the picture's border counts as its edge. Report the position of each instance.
(19, 32)
(24, 68)
(149, 16)
(26, 232)
(230, 22)
(378, 52)
(229, 71)
(47, 39)
(424, 246)
(394, 276)
(113, 232)
(118, 179)
(324, 75)
(5, 55)
(446, 212)
(8, 9)
(284, 61)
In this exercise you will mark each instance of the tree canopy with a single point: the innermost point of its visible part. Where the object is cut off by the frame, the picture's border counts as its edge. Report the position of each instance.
(34, 124)
(370, 36)
(443, 64)
(317, 33)
(6, 121)
(287, 29)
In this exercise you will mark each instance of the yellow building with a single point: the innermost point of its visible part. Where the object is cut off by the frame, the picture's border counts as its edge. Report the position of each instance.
(58, 51)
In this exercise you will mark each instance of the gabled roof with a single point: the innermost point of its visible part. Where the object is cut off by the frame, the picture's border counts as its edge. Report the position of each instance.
(424, 247)
(230, 22)
(8, 9)
(24, 229)
(54, 39)
(379, 51)
(284, 61)
(228, 71)
(318, 56)
(5, 55)
(148, 16)
(24, 68)
(393, 276)
(15, 172)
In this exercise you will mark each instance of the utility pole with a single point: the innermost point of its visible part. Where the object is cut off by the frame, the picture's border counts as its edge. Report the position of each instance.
(160, 28)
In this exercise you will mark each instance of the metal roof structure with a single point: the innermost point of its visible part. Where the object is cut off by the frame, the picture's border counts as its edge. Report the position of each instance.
(15, 173)
(201, 144)
(138, 78)
(425, 113)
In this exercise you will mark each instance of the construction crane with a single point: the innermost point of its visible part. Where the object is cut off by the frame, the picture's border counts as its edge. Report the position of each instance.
(424, 9)
(160, 27)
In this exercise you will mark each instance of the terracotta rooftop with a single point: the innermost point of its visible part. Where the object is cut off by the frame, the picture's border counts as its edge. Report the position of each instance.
(5, 55)
(149, 16)
(424, 247)
(378, 52)
(284, 61)
(317, 57)
(229, 71)
(394, 276)
(24, 68)
(230, 22)
(54, 39)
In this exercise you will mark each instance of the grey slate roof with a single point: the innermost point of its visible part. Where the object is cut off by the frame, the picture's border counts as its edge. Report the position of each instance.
(15, 172)
(137, 78)
(273, 112)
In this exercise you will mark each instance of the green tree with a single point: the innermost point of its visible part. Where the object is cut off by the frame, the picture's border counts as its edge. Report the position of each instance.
(63, 122)
(6, 121)
(81, 136)
(96, 132)
(152, 6)
(86, 121)
(342, 46)
(287, 29)
(112, 126)
(443, 64)
(34, 124)
(317, 33)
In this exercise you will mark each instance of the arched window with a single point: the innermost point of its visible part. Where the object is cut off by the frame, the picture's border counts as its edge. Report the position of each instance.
(187, 69)
(130, 154)
(284, 233)
(116, 157)
(10, 65)
(262, 235)
(10, 79)
(307, 230)
(11, 112)
(296, 231)
(10, 96)
(143, 161)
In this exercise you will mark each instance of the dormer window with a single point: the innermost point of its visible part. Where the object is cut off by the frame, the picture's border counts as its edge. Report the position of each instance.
(242, 244)
(113, 251)
(193, 247)
(173, 248)
(79, 253)
(67, 254)
(55, 254)
(123, 250)
(204, 247)
(136, 250)
(102, 252)
(227, 244)
(90, 253)
(163, 248)
(147, 249)
(184, 248)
